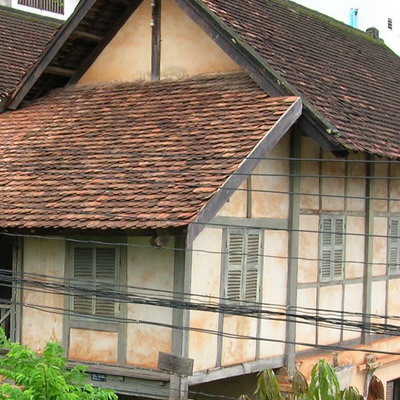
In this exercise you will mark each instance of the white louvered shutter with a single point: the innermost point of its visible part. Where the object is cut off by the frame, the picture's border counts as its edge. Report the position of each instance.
(253, 262)
(393, 252)
(326, 248)
(105, 276)
(235, 258)
(338, 248)
(83, 276)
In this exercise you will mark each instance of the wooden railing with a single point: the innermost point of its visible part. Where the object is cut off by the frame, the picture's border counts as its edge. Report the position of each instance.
(56, 6)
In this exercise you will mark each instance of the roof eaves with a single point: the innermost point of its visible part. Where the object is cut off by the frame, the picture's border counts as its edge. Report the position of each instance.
(53, 47)
(285, 122)
(257, 67)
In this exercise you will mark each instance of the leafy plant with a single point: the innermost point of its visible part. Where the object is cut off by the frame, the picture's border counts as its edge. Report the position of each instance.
(28, 376)
(324, 385)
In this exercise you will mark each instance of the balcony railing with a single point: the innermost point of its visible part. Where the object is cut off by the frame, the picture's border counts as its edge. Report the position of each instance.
(55, 6)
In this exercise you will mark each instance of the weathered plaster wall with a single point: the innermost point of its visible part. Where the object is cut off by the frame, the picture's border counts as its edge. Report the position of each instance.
(151, 268)
(206, 275)
(93, 346)
(185, 49)
(43, 257)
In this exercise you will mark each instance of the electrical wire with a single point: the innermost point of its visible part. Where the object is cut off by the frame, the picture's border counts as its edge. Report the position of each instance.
(254, 306)
(87, 317)
(214, 252)
(108, 292)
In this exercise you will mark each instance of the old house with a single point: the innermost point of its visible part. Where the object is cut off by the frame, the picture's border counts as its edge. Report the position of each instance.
(212, 179)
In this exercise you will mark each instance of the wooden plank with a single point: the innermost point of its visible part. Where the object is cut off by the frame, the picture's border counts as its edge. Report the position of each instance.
(88, 36)
(53, 48)
(177, 365)
(293, 262)
(236, 370)
(89, 60)
(247, 166)
(156, 40)
(368, 251)
(59, 71)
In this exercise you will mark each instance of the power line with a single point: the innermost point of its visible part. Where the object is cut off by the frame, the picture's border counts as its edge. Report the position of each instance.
(69, 312)
(215, 252)
(108, 292)
(38, 279)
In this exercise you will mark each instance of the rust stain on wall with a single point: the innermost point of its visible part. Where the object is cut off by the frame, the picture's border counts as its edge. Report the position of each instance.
(93, 346)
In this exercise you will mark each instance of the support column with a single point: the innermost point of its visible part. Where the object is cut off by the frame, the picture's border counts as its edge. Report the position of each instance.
(368, 254)
(155, 39)
(293, 248)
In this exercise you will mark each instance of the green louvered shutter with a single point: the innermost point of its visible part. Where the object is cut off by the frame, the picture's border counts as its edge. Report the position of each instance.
(106, 269)
(253, 265)
(235, 260)
(331, 248)
(95, 268)
(83, 277)
(393, 247)
(338, 248)
(326, 244)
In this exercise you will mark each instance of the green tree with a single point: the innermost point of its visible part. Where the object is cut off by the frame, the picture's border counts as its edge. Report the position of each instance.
(28, 376)
(324, 385)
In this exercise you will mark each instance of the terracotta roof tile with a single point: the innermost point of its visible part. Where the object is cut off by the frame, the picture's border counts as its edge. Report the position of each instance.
(352, 80)
(23, 37)
(134, 155)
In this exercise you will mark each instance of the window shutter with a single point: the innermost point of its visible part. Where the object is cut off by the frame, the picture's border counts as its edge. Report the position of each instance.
(338, 256)
(326, 248)
(389, 390)
(105, 281)
(253, 257)
(235, 257)
(83, 273)
(393, 256)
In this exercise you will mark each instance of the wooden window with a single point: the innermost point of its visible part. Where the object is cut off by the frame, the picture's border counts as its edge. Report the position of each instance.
(394, 246)
(331, 258)
(55, 6)
(243, 264)
(94, 271)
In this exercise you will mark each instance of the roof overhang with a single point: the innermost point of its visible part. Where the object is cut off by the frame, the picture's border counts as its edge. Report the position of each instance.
(312, 121)
(269, 141)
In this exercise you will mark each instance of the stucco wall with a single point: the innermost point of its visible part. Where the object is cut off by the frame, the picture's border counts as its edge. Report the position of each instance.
(185, 49)
(45, 258)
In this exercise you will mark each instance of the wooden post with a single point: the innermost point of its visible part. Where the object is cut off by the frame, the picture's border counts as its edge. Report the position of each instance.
(155, 39)
(294, 218)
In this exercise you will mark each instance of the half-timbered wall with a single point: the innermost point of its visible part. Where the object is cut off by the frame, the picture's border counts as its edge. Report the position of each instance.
(329, 188)
(185, 49)
(135, 343)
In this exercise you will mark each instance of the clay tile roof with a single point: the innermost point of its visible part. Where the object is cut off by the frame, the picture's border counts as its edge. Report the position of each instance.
(352, 80)
(132, 155)
(23, 37)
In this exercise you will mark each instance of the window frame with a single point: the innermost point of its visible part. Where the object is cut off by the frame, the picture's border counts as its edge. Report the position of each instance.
(393, 245)
(93, 318)
(337, 244)
(246, 269)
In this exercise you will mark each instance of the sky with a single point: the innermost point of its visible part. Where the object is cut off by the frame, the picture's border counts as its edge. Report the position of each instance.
(370, 13)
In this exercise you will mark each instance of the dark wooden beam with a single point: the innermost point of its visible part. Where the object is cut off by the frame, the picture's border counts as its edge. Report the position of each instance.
(60, 71)
(89, 60)
(246, 167)
(155, 40)
(88, 36)
(46, 58)
(258, 69)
